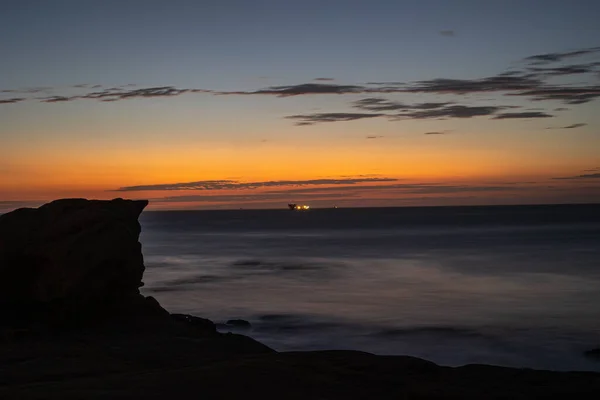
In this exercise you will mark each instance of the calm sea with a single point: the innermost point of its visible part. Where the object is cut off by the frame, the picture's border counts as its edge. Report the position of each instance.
(515, 286)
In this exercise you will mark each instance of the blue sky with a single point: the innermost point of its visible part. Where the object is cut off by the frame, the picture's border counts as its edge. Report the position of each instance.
(226, 44)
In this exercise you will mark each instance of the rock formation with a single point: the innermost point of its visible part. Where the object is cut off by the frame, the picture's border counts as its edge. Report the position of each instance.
(72, 262)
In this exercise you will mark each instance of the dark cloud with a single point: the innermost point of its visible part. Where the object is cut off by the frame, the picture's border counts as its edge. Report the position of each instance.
(28, 90)
(395, 84)
(464, 86)
(375, 137)
(309, 119)
(435, 133)
(572, 126)
(566, 94)
(120, 93)
(379, 104)
(58, 99)
(561, 109)
(453, 111)
(555, 57)
(114, 94)
(566, 70)
(526, 114)
(302, 89)
(511, 73)
(424, 110)
(231, 184)
(406, 111)
(247, 198)
(314, 194)
(582, 176)
(529, 83)
(12, 100)
(447, 33)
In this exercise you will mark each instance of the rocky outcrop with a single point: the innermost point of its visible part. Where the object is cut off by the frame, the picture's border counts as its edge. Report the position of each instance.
(72, 262)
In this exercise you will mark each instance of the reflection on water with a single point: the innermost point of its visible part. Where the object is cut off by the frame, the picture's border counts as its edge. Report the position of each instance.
(510, 294)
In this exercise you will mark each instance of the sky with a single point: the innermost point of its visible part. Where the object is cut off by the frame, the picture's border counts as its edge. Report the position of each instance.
(254, 104)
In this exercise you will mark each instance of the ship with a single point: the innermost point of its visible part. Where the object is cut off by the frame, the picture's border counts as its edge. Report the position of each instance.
(298, 207)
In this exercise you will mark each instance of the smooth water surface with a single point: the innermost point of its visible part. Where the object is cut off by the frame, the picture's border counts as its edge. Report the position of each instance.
(516, 286)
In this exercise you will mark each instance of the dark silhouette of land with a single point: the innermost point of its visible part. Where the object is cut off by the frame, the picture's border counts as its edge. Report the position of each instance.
(74, 325)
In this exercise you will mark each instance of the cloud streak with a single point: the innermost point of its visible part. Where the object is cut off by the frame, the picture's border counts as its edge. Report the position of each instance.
(454, 111)
(574, 69)
(311, 119)
(380, 104)
(582, 176)
(232, 185)
(572, 126)
(12, 100)
(521, 115)
(548, 58)
(301, 89)
(566, 94)
(465, 86)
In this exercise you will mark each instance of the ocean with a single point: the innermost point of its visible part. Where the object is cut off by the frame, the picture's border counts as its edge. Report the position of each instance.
(506, 285)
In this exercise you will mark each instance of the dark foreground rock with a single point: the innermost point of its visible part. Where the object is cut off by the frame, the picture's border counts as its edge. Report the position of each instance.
(72, 262)
(74, 326)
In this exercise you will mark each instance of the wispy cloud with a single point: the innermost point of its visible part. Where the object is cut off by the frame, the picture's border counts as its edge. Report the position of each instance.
(247, 198)
(566, 94)
(380, 104)
(120, 93)
(57, 99)
(574, 69)
(30, 90)
(464, 86)
(449, 33)
(572, 126)
(526, 114)
(12, 100)
(547, 58)
(436, 133)
(310, 119)
(582, 176)
(532, 80)
(454, 111)
(301, 89)
(231, 184)
(339, 192)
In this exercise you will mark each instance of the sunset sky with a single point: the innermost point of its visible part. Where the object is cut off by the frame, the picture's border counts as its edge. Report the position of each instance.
(257, 103)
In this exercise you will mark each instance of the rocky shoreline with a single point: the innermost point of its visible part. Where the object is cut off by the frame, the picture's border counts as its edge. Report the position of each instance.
(74, 325)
